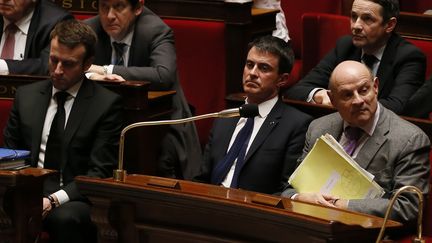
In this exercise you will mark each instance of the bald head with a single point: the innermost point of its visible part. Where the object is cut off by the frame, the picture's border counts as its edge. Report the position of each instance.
(353, 92)
(349, 71)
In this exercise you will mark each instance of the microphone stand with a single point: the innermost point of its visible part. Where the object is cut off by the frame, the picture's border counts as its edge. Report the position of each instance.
(120, 174)
(419, 193)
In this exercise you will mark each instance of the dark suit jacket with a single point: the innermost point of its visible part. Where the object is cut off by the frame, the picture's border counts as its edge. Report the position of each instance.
(45, 17)
(401, 71)
(152, 58)
(91, 135)
(397, 154)
(272, 155)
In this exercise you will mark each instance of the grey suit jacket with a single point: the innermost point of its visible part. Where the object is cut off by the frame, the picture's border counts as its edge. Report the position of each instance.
(46, 15)
(91, 134)
(152, 58)
(397, 154)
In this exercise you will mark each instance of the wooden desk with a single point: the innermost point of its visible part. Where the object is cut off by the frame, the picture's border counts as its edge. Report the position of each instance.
(140, 104)
(21, 204)
(154, 209)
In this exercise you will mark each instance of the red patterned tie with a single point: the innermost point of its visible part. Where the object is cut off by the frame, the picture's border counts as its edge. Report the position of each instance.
(9, 45)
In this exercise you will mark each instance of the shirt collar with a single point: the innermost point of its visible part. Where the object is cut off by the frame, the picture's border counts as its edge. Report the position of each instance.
(73, 91)
(265, 107)
(127, 39)
(369, 128)
(378, 54)
(22, 24)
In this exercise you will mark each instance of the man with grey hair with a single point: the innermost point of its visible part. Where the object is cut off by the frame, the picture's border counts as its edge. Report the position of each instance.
(26, 26)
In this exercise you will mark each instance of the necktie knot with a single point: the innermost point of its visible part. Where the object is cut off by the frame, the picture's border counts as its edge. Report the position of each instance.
(119, 51)
(353, 133)
(369, 60)
(11, 28)
(61, 97)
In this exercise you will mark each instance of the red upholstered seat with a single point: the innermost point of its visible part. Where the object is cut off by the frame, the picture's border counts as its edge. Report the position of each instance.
(200, 47)
(426, 47)
(294, 10)
(5, 107)
(320, 33)
(415, 6)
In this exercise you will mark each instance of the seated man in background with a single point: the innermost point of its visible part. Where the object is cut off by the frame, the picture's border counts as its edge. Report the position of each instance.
(395, 151)
(260, 153)
(70, 124)
(26, 25)
(399, 65)
(135, 44)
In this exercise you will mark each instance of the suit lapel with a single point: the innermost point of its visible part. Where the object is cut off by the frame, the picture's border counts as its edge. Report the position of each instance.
(230, 125)
(34, 24)
(39, 111)
(103, 49)
(385, 66)
(269, 124)
(77, 113)
(374, 143)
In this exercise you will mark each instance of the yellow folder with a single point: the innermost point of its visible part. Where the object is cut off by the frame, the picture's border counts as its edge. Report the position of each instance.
(328, 169)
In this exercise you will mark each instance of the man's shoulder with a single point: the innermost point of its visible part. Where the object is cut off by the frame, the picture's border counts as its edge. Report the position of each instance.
(294, 114)
(150, 21)
(51, 11)
(326, 121)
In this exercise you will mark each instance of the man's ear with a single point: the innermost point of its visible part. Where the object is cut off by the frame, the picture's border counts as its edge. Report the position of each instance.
(139, 8)
(376, 85)
(330, 95)
(391, 25)
(283, 80)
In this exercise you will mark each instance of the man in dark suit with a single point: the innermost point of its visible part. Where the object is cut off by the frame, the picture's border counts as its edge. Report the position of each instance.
(92, 121)
(277, 133)
(148, 54)
(398, 64)
(34, 19)
(393, 150)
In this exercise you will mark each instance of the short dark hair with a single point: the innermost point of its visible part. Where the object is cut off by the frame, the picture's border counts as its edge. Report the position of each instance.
(390, 8)
(72, 33)
(277, 47)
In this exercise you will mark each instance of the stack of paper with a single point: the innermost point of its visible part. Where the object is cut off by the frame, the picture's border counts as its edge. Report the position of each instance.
(13, 159)
(328, 169)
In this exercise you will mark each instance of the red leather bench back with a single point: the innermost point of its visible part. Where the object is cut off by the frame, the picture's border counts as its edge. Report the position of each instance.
(200, 47)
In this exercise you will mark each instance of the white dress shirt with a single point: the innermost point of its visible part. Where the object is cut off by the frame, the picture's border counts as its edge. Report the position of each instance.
(264, 109)
(20, 40)
(52, 109)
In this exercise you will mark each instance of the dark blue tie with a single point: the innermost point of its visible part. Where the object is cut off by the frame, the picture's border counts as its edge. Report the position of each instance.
(119, 53)
(369, 60)
(237, 151)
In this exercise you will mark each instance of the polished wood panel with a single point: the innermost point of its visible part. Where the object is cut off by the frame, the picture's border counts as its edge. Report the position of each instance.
(153, 209)
(21, 204)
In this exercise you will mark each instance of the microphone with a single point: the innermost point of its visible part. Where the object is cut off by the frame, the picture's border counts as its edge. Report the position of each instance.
(246, 110)
(418, 238)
